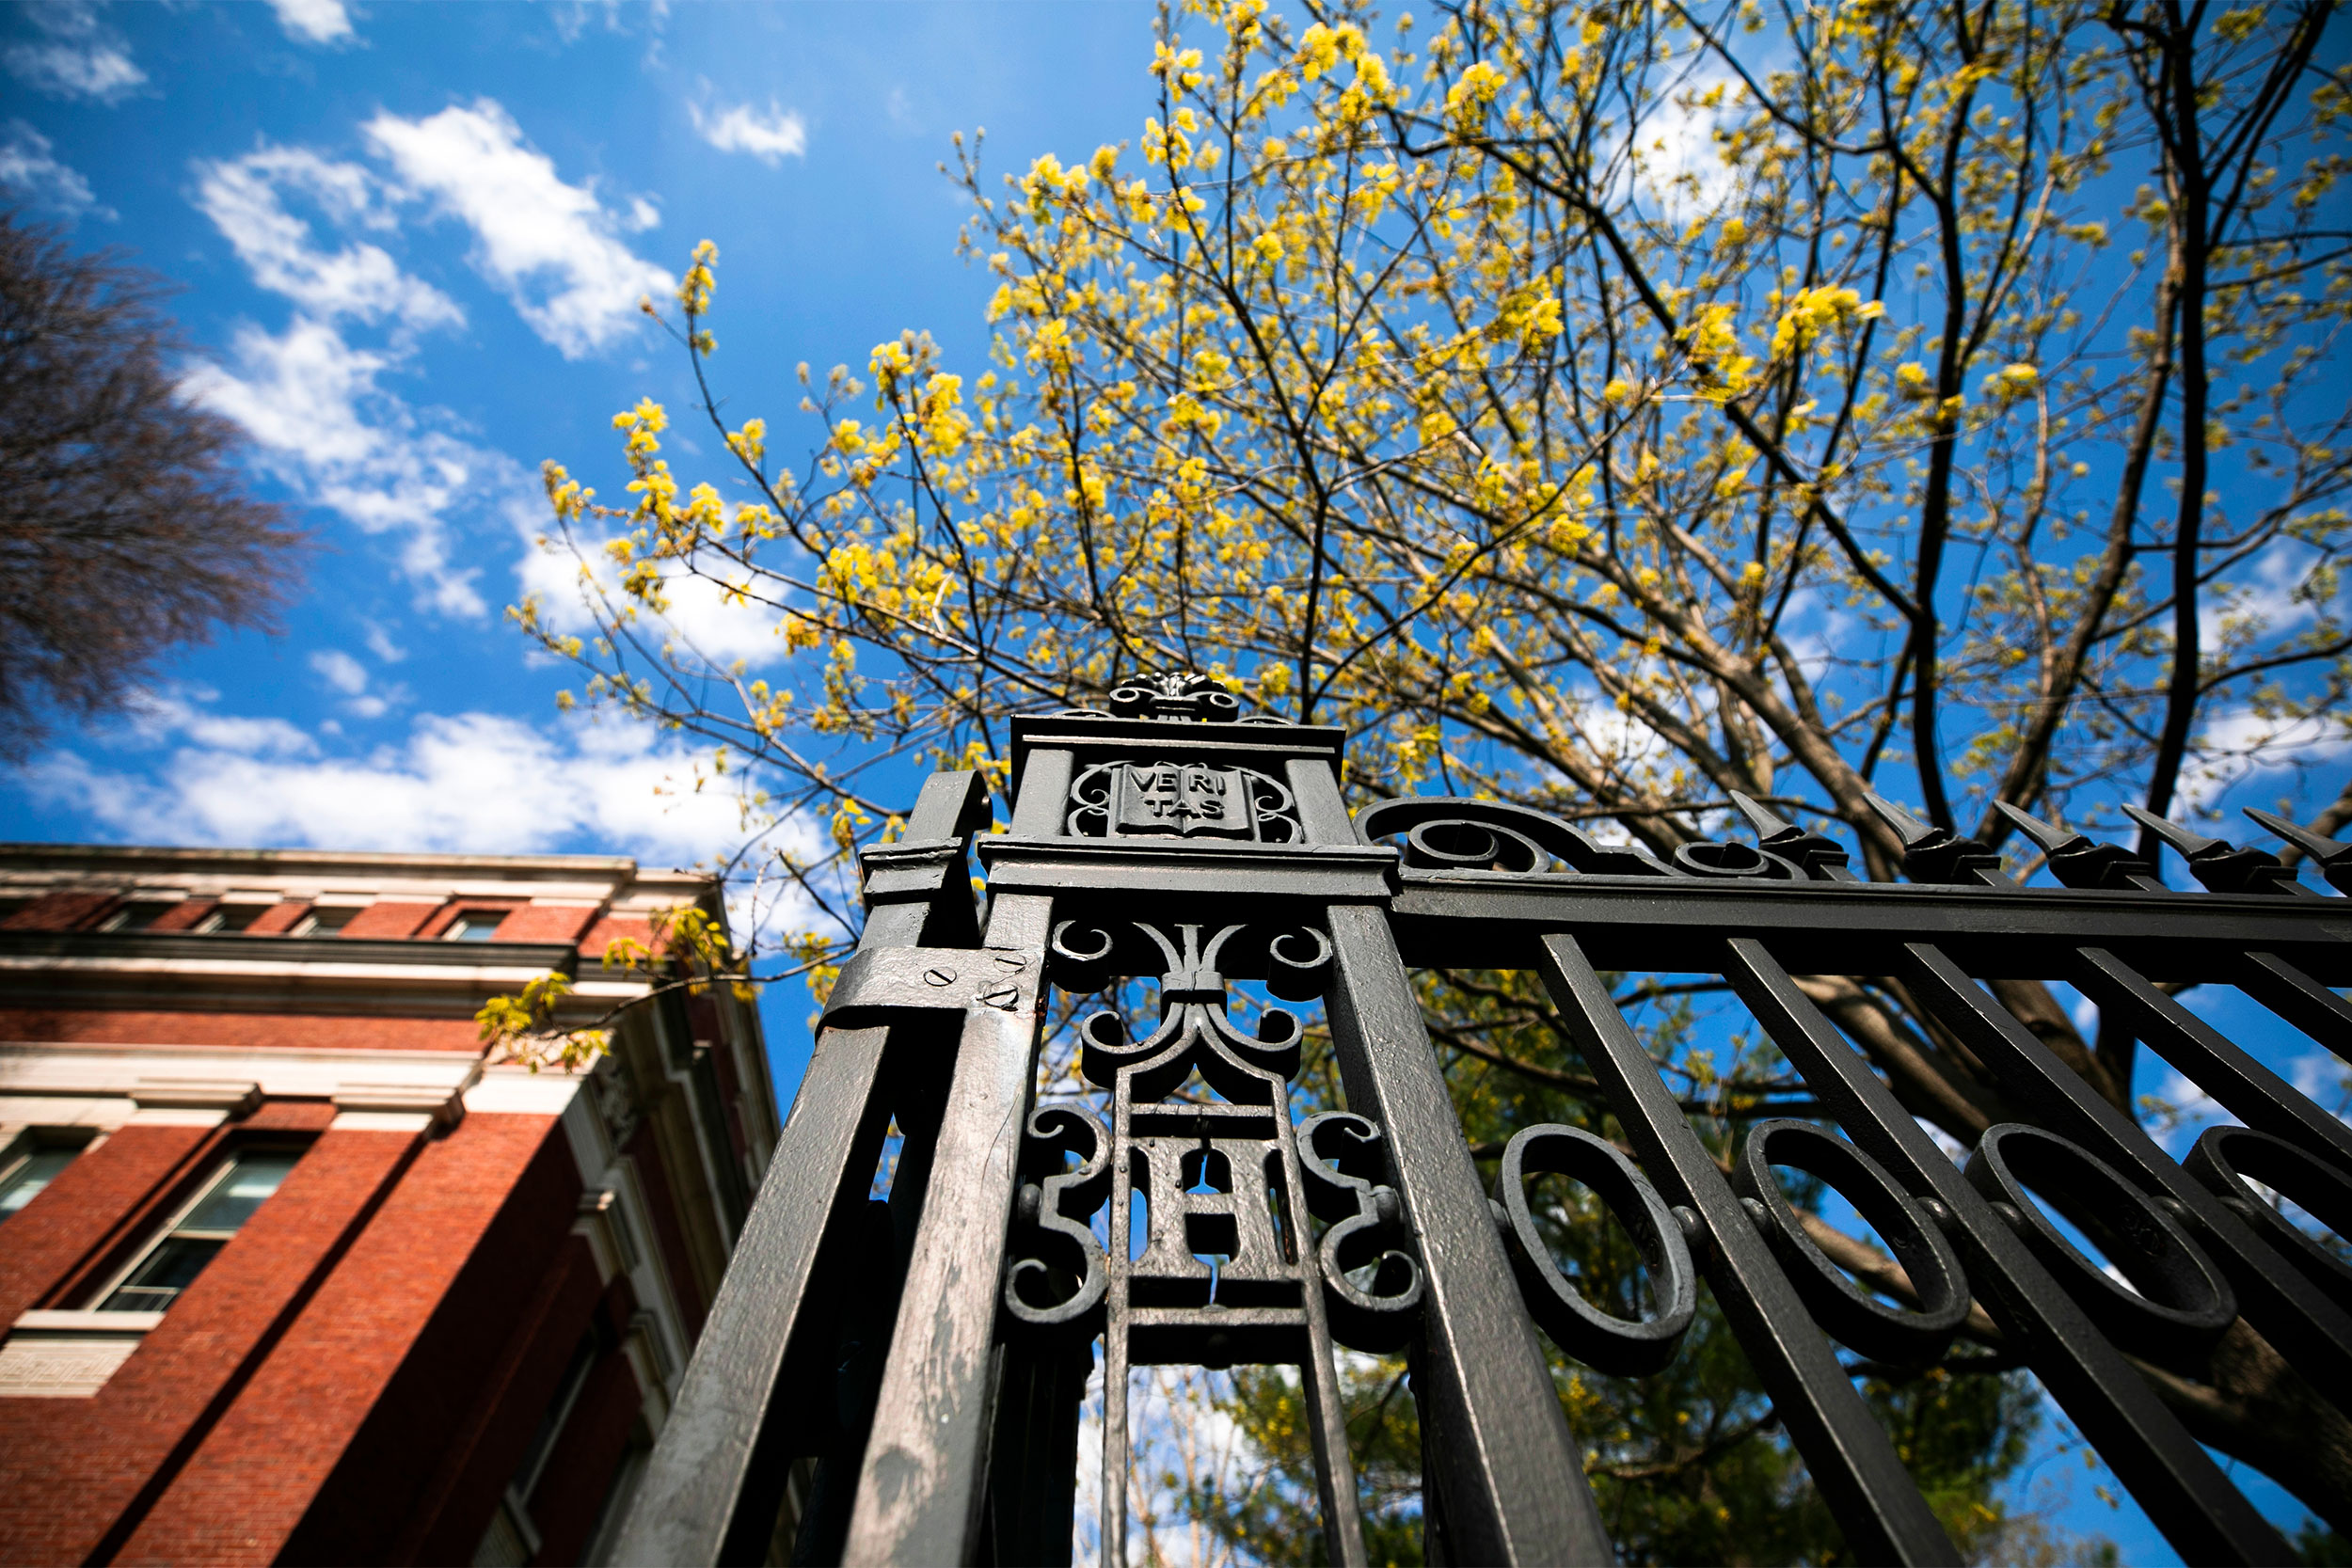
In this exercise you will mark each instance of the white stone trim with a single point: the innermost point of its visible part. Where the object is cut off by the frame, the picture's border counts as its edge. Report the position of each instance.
(106, 1113)
(643, 1345)
(179, 1092)
(160, 1076)
(518, 1091)
(382, 1122)
(618, 1196)
(85, 1321)
(176, 1115)
(69, 1355)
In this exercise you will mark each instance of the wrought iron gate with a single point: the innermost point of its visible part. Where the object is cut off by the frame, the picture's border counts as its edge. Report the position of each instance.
(930, 1353)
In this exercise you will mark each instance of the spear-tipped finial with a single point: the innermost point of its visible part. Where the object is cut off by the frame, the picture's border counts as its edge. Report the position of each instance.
(2079, 861)
(1824, 858)
(2222, 867)
(1933, 854)
(2331, 855)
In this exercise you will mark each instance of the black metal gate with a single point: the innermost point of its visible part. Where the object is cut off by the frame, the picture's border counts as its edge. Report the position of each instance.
(930, 1353)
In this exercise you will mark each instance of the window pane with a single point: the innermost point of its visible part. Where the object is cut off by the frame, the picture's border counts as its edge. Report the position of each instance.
(25, 1182)
(163, 1274)
(476, 928)
(229, 1204)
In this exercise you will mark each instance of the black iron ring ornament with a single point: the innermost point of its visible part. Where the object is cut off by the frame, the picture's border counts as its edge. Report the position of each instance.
(2228, 1159)
(1913, 1337)
(2177, 1302)
(1622, 1347)
(1057, 1279)
(1340, 1156)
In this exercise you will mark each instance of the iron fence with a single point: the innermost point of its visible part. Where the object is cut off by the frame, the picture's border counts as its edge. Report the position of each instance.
(900, 1380)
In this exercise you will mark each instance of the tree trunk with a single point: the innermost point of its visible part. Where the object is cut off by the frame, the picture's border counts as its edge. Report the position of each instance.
(2259, 1409)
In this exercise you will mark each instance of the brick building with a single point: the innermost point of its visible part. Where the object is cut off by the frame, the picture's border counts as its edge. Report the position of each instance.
(288, 1270)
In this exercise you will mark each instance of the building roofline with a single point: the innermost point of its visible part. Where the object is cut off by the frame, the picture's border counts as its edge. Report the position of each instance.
(92, 856)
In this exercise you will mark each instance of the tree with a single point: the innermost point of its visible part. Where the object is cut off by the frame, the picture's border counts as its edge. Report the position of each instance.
(1603, 407)
(125, 528)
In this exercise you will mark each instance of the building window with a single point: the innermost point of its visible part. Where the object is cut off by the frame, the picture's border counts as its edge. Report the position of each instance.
(24, 1170)
(475, 925)
(229, 919)
(180, 1251)
(323, 922)
(139, 915)
(513, 1537)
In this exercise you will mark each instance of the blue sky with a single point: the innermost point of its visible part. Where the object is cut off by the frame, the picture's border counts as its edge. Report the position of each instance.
(412, 238)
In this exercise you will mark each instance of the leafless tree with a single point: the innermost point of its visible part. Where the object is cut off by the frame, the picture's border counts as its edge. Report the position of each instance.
(125, 524)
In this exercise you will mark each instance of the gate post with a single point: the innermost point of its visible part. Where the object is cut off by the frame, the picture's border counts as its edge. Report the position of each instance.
(1501, 1470)
(715, 1482)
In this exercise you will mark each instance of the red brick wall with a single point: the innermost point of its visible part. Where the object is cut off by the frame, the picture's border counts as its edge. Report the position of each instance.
(389, 919)
(546, 922)
(284, 915)
(610, 928)
(482, 1281)
(579, 1471)
(185, 915)
(531, 1373)
(59, 911)
(358, 1403)
(79, 1474)
(257, 1031)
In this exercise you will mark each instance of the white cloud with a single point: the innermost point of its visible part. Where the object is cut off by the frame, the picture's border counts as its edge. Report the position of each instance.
(349, 676)
(2324, 1080)
(341, 671)
(1673, 157)
(155, 718)
(549, 245)
(311, 401)
(771, 137)
(245, 199)
(2194, 1111)
(701, 616)
(470, 782)
(380, 643)
(83, 57)
(313, 21)
(27, 167)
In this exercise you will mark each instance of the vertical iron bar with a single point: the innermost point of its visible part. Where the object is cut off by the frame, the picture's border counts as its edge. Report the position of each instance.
(920, 1493)
(2249, 1090)
(701, 1492)
(2205, 1518)
(2308, 1328)
(1118, 1256)
(1508, 1474)
(2300, 1000)
(1036, 810)
(1847, 1451)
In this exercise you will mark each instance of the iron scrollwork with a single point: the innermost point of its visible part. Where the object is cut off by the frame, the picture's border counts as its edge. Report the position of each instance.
(1174, 696)
(1230, 1270)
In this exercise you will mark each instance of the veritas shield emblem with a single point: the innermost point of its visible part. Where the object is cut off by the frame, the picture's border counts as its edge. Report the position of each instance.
(1186, 798)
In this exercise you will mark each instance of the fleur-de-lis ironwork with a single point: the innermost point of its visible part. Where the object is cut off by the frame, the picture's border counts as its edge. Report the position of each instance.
(1231, 1270)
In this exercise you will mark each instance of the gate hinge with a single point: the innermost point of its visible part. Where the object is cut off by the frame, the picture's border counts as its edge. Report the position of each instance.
(881, 981)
